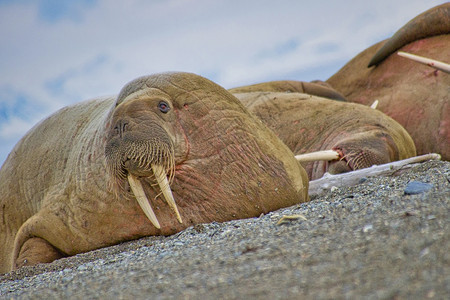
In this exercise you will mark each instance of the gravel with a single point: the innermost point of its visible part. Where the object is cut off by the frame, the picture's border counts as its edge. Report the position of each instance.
(371, 241)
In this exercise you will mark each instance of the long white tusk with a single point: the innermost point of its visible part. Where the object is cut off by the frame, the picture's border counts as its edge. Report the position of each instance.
(139, 193)
(374, 104)
(426, 61)
(163, 183)
(318, 155)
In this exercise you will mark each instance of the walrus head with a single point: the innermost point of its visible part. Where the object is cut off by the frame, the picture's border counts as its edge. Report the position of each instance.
(140, 144)
(188, 138)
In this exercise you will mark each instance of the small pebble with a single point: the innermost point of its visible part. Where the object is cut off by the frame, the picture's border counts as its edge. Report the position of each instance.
(362, 180)
(67, 279)
(424, 252)
(417, 187)
(368, 228)
(82, 268)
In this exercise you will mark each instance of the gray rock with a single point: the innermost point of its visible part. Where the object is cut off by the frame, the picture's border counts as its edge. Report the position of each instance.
(417, 187)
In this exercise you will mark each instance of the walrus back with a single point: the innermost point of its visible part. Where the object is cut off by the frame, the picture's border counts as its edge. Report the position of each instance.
(308, 123)
(38, 163)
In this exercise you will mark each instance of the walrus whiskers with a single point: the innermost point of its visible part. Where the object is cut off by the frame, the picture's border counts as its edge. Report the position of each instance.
(352, 159)
(160, 153)
(148, 155)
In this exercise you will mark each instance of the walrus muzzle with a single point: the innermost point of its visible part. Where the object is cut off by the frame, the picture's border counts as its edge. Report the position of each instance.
(130, 158)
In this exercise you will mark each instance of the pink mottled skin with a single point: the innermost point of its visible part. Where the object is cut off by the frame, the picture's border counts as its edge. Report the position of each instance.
(413, 94)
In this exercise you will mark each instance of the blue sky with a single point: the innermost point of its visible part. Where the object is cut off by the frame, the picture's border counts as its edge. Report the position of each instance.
(57, 52)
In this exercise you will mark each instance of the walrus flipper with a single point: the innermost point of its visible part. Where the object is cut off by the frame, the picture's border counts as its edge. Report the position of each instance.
(34, 251)
(37, 239)
(435, 21)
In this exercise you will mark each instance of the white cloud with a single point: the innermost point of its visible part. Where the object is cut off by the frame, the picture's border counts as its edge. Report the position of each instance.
(16, 126)
(94, 48)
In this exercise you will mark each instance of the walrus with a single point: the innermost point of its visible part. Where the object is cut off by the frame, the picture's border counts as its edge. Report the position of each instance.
(413, 94)
(315, 88)
(171, 150)
(362, 136)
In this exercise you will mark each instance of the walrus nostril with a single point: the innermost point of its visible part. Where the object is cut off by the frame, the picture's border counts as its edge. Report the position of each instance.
(120, 128)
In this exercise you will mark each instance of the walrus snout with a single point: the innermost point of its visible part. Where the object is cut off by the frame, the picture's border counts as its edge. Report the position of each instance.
(138, 147)
(133, 167)
(130, 159)
(135, 152)
(362, 151)
(355, 160)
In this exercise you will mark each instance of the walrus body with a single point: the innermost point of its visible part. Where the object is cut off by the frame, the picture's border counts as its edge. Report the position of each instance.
(64, 187)
(413, 94)
(306, 123)
(318, 88)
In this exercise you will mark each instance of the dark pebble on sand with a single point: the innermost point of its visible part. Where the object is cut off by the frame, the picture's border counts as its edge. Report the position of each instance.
(362, 180)
(417, 187)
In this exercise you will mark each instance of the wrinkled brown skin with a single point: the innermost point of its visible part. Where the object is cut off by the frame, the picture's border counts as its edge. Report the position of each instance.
(413, 94)
(316, 88)
(55, 187)
(305, 123)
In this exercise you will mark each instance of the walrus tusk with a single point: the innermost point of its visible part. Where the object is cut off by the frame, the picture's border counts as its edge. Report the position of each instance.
(139, 193)
(374, 105)
(318, 155)
(427, 61)
(163, 183)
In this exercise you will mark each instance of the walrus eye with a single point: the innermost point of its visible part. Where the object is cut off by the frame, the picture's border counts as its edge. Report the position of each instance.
(163, 106)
